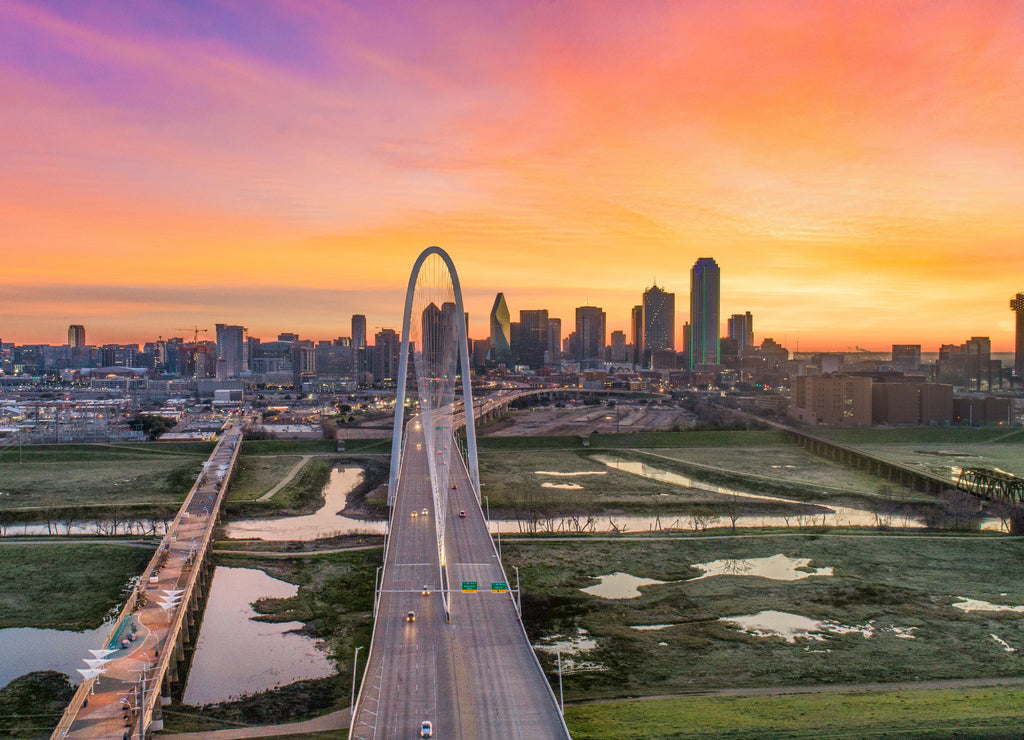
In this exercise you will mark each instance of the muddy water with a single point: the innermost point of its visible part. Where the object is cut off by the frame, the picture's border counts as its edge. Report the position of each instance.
(619, 586)
(26, 649)
(324, 522)
(236, 654)
(777, 568)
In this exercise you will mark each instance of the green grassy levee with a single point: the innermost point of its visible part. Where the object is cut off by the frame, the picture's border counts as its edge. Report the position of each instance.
(64, 586)
(918, 713)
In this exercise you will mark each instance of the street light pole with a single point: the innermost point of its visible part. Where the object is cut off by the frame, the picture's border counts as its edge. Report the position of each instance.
(355, 663)
(561, 699)
(519, 599)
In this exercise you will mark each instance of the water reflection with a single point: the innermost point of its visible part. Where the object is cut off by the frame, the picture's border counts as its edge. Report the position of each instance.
(777, 568)
(619, 586)
(72, 528)
(235, 654)
(977, 605)
(324, 522)
(771, 623)
(27, 649)
(569, 650)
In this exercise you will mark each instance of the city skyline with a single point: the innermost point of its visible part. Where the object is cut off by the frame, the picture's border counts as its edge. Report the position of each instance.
(855, 170)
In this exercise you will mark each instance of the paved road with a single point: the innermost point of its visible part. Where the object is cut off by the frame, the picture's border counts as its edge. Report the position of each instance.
(475, 677)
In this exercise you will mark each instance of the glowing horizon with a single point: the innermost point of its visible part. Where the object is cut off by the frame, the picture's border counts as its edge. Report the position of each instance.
(856, 170)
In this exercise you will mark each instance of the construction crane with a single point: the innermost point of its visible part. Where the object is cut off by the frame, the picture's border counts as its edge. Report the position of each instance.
(196, 330)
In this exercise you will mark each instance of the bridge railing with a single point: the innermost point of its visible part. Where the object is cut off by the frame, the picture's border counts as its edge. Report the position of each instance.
(81, 695)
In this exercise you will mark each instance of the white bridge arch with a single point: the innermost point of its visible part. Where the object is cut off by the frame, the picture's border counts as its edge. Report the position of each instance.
(437, 405)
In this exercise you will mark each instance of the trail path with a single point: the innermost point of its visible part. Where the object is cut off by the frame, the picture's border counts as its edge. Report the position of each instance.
(287, 479)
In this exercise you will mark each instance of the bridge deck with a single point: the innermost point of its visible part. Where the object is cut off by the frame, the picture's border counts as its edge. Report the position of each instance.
(148, 636)
(474, 677)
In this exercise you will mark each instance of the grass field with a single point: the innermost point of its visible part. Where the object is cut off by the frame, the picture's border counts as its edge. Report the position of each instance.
(642, 439)
(919, 435)
(883, 580)
(90, 475)
(255, 475)
(944, 459)
(71, 587)
(514, 482)
(946, 713)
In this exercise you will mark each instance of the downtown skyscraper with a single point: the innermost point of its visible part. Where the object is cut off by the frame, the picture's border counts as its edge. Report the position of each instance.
(501, 332)
(705, 279)
(659, 317)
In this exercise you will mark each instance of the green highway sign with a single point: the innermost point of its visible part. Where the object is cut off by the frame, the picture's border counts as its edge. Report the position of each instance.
(469, 587)
(499, 587)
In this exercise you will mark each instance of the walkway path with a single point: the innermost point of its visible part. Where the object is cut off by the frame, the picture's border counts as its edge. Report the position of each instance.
(286, 480)
(333, 721)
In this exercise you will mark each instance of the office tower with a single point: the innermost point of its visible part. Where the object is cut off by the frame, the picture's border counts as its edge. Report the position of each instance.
(637, 323)
(555, 338)
(438, 339)
(618, 346)
(501, 332)
(358, 331)
(590, 325)
(906, 357)
(232, 351)
(741, 328)
(76, 335)
(704, 312)
(287, 336)
(1017, 306)
(659, 309)
(533, 337)
(387, 348)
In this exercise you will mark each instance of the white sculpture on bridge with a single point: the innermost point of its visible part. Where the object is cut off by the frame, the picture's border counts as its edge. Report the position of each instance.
(434, 324)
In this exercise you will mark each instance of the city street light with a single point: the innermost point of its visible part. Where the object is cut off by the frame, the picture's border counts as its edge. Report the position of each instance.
(355, 663)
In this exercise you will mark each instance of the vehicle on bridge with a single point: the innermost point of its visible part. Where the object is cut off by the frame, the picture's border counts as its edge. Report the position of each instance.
(426, 729)
(410, 617)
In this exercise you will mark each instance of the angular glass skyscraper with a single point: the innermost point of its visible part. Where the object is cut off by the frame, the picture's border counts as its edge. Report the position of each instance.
(704, 313)
(501, 332)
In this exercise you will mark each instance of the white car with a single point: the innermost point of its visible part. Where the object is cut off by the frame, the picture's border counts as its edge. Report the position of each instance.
(426, 729)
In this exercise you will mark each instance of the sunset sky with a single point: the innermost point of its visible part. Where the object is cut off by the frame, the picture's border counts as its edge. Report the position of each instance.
(855, 168)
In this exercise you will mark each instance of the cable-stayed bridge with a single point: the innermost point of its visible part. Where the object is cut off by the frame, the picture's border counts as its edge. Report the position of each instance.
(448, 648)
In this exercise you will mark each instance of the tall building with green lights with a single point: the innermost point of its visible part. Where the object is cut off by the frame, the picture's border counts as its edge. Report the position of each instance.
(705, 279)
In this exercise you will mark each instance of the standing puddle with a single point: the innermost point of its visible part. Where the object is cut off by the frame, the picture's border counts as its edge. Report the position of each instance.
(238, 655)
(27, 649)
(619, 586)
(777, 568)
(570, 475)
(324, 522)
(837, 515)
(788, 626)
(976, 605)
(567, 648)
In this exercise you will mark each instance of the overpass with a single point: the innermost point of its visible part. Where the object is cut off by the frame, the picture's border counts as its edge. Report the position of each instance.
(448, 645)
(147, 650)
